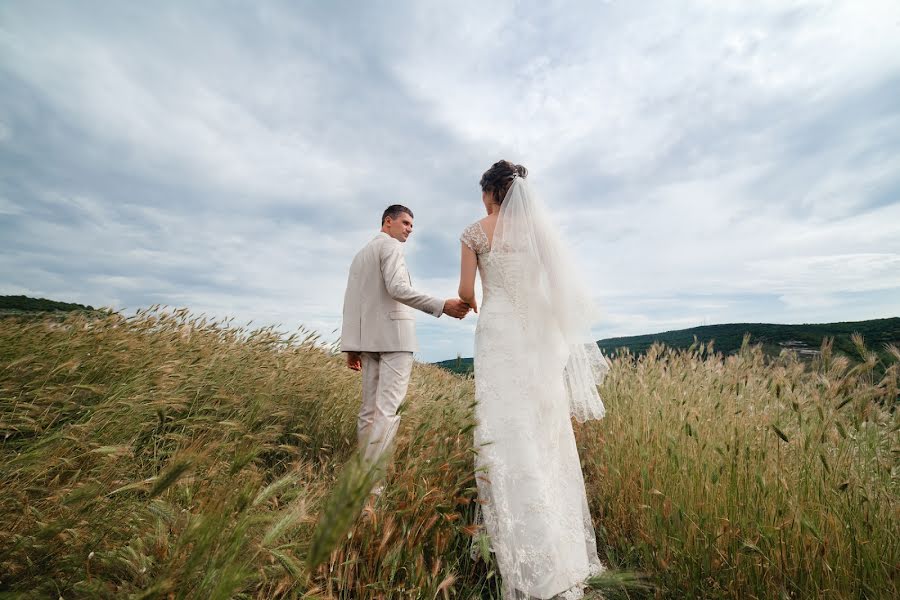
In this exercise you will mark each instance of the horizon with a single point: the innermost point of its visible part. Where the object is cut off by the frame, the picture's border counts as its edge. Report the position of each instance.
(606, 339)
(710, 163)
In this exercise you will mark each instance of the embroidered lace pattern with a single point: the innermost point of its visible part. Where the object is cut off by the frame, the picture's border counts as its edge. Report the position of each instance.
(475, 238)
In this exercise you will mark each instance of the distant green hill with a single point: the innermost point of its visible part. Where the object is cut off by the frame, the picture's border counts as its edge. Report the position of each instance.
(20, 304)
(728, 338)
(458, 365)
(805, 339)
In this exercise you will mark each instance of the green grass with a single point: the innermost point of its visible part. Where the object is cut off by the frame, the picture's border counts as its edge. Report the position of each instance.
(169, 456)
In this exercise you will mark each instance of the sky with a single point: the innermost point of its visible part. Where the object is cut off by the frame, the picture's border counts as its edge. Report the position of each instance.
(709, 161)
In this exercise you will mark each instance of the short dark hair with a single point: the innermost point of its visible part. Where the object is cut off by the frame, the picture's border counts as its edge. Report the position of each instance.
(395, 210)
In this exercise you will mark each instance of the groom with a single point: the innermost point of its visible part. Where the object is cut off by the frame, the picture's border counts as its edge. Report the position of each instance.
(379, 331)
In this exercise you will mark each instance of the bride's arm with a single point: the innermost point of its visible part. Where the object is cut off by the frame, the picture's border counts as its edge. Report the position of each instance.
(469, 264)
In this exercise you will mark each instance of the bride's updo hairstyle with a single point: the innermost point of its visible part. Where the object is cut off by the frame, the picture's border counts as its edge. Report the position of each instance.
(499, 177)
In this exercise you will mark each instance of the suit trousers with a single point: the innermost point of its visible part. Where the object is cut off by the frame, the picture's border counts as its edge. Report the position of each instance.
(385, 380)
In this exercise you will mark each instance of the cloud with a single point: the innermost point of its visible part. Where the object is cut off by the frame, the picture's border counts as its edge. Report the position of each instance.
(710, 162)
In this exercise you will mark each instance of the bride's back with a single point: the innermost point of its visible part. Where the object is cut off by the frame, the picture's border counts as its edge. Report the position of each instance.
(495, 267)
(488, 225)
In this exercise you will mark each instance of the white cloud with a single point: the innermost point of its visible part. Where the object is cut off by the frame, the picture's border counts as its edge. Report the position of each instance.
(711, 162)
(8, 207)
(181, 108)
(822, 275)
(627, 81)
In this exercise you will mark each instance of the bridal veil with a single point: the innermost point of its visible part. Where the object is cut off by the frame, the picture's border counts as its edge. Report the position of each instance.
(550, 295)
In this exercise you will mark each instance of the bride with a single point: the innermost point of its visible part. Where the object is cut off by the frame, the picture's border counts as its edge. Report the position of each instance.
(535, 366)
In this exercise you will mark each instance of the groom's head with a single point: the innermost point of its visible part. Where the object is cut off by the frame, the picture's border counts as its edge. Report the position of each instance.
(397, 222)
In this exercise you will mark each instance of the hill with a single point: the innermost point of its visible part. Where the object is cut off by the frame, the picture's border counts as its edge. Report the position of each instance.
(25, 304)
(728, 338)
(804, 339)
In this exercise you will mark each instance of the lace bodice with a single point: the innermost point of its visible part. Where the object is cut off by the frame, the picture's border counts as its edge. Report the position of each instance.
(475, 238)
(494, 295)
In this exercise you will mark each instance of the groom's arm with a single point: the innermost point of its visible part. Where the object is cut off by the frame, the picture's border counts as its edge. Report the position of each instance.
(396, 280)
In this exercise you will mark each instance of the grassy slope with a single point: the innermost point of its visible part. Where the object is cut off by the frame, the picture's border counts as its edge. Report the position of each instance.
(728, 338)
(162, 455)
(191, 458)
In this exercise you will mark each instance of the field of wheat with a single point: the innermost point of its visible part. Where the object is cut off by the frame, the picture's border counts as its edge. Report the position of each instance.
(169, 456)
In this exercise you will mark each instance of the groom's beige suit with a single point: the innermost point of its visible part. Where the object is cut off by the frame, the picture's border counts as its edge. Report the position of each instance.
(379, 325)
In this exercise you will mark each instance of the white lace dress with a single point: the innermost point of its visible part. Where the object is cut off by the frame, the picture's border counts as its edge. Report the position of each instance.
(529, 477)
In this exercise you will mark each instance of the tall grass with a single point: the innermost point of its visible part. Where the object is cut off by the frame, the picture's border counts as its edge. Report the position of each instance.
(166, 455)
(735, 477)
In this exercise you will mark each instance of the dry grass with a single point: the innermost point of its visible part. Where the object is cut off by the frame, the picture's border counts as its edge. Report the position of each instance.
(167, 456)
(734, 478)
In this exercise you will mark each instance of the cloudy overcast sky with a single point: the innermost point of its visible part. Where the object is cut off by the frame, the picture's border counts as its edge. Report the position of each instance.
(711, 161)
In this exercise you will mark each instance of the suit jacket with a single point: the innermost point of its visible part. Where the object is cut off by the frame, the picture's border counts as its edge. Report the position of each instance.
(379, 290)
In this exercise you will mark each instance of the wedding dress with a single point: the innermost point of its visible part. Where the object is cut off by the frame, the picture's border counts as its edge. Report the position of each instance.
(535, 367)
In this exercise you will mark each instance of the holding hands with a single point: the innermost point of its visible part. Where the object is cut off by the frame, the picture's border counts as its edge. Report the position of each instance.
(456, 308)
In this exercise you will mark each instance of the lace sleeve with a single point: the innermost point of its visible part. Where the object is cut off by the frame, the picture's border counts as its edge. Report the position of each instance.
(475, 238)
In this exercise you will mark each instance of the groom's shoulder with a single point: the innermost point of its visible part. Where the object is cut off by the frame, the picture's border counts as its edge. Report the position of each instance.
(386, 242)
(381, 245)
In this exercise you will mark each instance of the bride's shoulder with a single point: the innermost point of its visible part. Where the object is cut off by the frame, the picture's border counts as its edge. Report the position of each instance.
(474, 237)
(472, 226)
